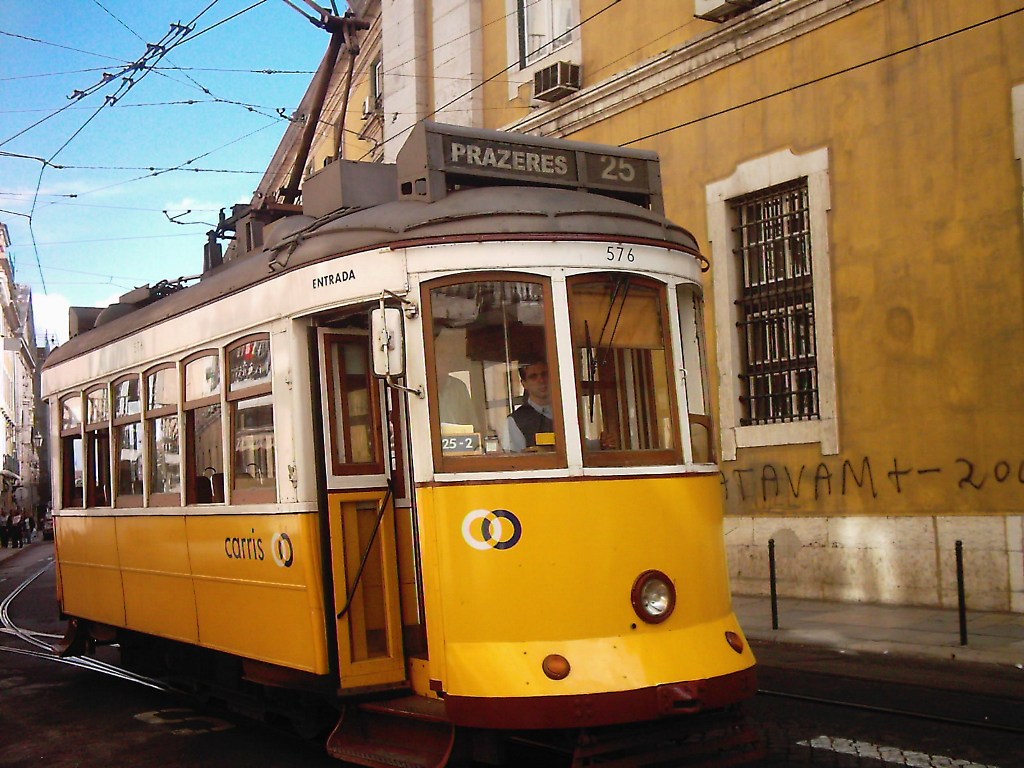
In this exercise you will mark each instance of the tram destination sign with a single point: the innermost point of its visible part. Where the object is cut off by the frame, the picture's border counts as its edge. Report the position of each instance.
(537, 163)
(440, 157)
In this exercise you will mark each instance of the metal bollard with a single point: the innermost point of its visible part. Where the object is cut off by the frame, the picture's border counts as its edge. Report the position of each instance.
(771, 580)
(960, 592)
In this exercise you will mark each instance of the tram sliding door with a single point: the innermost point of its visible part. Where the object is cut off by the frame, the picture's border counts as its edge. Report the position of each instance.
(361, 512)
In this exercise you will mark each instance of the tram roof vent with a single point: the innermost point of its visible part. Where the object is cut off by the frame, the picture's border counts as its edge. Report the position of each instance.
(82, 319)
(348, 184)
(438, 159)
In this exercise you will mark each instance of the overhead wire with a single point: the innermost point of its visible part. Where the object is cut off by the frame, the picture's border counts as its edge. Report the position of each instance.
(142, 66)
(823, 78)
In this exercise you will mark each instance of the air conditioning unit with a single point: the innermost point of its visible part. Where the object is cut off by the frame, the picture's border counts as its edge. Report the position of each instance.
(367, 107)
(720, 10)
(556, 81)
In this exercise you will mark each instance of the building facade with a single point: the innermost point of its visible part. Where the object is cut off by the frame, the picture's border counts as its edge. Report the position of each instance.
(24, 478)
(854, 171)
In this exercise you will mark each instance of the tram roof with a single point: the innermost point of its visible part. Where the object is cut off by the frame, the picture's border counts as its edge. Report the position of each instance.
(482, 213)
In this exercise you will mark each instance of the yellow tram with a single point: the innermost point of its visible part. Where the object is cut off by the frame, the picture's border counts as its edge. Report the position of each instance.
(438, 451)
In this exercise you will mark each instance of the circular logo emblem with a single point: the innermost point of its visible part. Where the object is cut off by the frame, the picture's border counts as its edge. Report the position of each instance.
(491, 529)
(282, 550)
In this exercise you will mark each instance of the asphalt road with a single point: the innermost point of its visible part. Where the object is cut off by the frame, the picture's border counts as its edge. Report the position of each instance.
(56, 715)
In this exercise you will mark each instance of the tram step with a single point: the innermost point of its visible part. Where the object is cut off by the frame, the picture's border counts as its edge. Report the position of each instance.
(410, 732)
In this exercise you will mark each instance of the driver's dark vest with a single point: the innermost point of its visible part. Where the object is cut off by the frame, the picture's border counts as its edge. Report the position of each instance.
(531, 421)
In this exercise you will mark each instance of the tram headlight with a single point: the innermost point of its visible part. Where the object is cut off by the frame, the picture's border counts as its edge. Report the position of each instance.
(653, 596)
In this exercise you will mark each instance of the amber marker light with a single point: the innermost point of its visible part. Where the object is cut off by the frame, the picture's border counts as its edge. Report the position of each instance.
(735, 641)
(653, 596)
(556, 667)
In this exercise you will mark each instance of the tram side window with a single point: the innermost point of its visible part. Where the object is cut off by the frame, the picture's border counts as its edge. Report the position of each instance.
(72, 456)
(253, 477)
(128, 442)
(623, 370)
(695, 363)
(97, 447)
(162, 433)
(204, 431)
(494, 387)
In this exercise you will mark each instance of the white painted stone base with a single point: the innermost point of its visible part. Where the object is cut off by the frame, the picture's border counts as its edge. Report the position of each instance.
(897, 560)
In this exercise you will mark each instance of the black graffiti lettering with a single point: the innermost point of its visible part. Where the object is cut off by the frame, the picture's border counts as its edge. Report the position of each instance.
(865, 469)
(799, 480)
(858, 477)
(897, 473)
(968, 478)
(769, 477)
(822, 473)
(739, 482)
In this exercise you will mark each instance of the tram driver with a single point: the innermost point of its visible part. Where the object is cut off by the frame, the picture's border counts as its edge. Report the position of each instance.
(533, 416)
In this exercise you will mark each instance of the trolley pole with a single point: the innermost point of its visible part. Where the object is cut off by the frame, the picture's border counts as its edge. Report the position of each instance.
(961, 592)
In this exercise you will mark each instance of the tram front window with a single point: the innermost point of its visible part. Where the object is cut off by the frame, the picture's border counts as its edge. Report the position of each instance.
(494, 382)
(623, 370)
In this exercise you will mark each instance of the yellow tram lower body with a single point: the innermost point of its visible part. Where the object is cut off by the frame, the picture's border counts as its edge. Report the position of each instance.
(513, 573)
(517, 572)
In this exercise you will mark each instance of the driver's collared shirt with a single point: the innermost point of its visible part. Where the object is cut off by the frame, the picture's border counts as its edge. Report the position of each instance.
(516, 439)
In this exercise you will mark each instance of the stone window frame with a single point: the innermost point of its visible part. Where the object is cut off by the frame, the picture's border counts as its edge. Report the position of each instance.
(751, 176)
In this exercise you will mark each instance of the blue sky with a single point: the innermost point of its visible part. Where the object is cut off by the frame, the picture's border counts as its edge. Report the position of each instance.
(99, 224)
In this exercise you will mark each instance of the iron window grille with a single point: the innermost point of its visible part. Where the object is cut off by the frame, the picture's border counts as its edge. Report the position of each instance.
(779, 370)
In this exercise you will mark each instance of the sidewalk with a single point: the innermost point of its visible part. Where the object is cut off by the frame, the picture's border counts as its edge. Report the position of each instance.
(6, 552)
(914, 631)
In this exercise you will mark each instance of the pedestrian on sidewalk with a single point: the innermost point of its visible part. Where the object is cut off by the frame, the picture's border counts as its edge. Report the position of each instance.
(16, 530)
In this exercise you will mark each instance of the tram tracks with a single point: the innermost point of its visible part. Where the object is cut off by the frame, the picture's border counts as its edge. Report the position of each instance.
(43, 650)
(980, 723)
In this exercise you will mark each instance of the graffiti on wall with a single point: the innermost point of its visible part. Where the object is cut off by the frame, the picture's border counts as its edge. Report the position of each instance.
(771, 481)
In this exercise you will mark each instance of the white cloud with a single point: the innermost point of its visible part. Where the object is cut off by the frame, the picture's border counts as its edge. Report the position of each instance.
(51, 315)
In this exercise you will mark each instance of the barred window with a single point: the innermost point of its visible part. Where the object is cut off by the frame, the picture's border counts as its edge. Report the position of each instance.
(779, 369)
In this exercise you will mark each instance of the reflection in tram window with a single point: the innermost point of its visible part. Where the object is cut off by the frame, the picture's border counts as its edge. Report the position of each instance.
(253, 432)
(352, 406)
(164, 442)
(493, 382)
(624, 383)
(204, 435)
(695, 363)
(97, 453)
(253, 478)
(166, 475)
(128, 442)
(129, 460)
(72, 458)
(249, 364)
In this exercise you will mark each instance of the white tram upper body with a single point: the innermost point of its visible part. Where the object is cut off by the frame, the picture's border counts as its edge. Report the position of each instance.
(233, 475)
